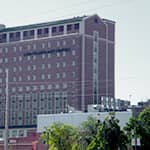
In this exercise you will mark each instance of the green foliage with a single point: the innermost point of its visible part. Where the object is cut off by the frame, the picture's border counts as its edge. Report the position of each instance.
(109, 135)
(141, 128)
(60, 137)
(144, 130)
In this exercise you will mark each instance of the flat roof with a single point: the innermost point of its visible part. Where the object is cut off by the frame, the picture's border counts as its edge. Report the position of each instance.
(40, 25)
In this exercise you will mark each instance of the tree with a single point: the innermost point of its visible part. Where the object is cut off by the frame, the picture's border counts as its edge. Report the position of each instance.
(144, 130)
(109, 135)
(60, 137)
(88, 131)
(141, 128)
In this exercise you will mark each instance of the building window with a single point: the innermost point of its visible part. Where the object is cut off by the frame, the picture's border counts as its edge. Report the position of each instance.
(58, 43)
(1, 60)
(43, 56)
(73, 42)
(34, 77)
(43, 66)
(34, 46)
(57, 65)
(3, 38)
(54, 29)
(49, 76)
(14, 59)
(69, 27)
(34, 87)
(57, 75)
(43, 45)
(27, 88)
(64, 64)
(20, 89)
(29, 68)
(73, 63)
(61, 28)
(6, 60)
(64, 43)
(28, 78)
(34, 67)
(64, 53)
(46, 31)
(49, 65)
(73, 74)
(20, 78)
(14, 133)
(32, 32)
(1, 134)
(58, 54)
(25, 33)
(20, 68)
(76, 26)
(43, 76)
(57, 86)
(73, 52)
(64, 85)
(28, 58)
(21, 133)
(14, 79)
(64, 75)
(39, 31)
(20, 48)
(42, 87)
(49, 87)
(20, 58)
(34, 57)
(13, 89)
(6, 50)
(49, 55)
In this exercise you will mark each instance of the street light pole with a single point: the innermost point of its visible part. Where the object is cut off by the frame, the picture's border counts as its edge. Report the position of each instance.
(6, 114)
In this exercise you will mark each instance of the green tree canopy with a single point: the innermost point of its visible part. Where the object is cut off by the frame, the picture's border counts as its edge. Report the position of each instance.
(109, 135)
(140, 126)
(60, 136)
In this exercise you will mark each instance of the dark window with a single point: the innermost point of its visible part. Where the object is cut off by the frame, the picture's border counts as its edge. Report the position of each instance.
(25, 33)
(39, 31)
(3, 36)
(61, 28)
(76, 26)
(46, 31)
(53, 29)
(17, 34)
(96, 20)
(31, 32)
(11, 35)
(69, 27)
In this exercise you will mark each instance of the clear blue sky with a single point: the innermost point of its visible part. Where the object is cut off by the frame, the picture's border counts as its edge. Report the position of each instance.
(132, 33)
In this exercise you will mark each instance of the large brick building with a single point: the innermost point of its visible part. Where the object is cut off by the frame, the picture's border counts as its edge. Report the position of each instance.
(55, 66)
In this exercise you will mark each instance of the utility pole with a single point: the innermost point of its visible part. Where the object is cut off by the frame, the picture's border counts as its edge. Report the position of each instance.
(6, 114)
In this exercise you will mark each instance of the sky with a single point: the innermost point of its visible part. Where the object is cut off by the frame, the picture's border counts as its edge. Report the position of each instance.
(132, 47)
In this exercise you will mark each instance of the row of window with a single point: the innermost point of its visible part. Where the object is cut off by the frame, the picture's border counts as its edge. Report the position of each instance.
(56, 86)
(41, 77)
(39, 33)
(34, 46)
(13, 133)
(34, 57)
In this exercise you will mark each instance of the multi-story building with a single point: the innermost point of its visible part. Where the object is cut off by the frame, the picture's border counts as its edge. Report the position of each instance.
(54, 66)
